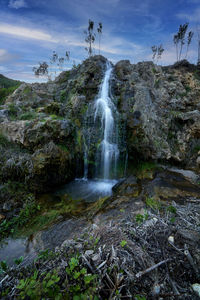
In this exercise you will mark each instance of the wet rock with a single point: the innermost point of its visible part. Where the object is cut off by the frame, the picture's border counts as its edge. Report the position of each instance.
(7, 207)
(171, 186)
(128, 187)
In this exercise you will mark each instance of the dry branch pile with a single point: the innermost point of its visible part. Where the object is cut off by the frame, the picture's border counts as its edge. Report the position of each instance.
(158, 258)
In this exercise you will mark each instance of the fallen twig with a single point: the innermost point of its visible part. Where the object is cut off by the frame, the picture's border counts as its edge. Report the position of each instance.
(141, 273)
(191, 261)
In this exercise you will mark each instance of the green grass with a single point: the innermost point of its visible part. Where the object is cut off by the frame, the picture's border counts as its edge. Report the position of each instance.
(63, 148)
(146, 166)
(28, 116)
(5, 92)
(196, 149)
(3, 140)
(56, 117)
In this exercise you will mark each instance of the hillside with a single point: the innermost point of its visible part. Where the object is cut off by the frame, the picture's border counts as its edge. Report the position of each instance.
(7, 87)
(6, 82)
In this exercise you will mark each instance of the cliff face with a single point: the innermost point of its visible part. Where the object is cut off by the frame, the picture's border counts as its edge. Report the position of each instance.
(161, 109)
(41, 125)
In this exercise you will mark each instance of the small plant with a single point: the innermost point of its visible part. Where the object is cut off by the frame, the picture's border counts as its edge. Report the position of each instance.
(28, 116)
(157, 83)
(196, 149)
(153, 204)
(56, 117)
(29, 210)
(19, 260)
(123, 243)
(139, 297)
(173, 219)
(45, 254)
(171, 209)
(38, 287)
(141, 218)
(12, 110)
(3, 266)
(80, 284)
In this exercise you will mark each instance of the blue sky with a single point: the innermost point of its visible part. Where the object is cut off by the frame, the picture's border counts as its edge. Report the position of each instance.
(31, 29)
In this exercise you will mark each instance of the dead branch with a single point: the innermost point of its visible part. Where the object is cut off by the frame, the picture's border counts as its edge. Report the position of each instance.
(141, 273)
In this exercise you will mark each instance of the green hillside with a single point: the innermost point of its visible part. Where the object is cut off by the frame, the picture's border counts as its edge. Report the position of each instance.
(7, 86)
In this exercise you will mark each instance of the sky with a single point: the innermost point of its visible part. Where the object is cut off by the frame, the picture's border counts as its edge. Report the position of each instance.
(30, 30)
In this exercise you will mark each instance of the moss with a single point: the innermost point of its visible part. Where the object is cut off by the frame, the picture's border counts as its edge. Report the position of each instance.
(157, 83)
(28, 116)
(63, 96)
(95, 207)
(56, 117)
(145, 169)
(77, 123)
(196, 149)
(79, 139)
(63, 148)
(26, 90)
(196, 74)
(3, 140)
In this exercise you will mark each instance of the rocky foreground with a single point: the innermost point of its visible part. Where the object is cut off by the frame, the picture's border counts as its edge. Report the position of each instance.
(144, 241)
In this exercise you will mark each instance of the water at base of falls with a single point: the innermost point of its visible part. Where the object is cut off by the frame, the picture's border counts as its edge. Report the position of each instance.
(88, 190)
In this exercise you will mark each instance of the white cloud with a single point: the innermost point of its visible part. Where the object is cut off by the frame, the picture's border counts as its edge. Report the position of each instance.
(191, 17)
(5, 56)
(27, 33)
(17, 4)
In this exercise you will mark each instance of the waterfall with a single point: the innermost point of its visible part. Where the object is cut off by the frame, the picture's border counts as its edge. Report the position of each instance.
(101, 134)
(104, 108)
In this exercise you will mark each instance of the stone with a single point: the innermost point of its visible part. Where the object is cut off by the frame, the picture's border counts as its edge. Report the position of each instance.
(196, 288)
(89, 252)
(7, 207)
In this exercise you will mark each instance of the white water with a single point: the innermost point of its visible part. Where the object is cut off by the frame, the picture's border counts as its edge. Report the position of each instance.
(105, 108)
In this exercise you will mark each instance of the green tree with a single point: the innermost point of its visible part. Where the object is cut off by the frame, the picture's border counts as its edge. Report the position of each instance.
(55, 61)
(41, 70)
(179, 39)
(99, 30)
(189, 39)
(90, 37)
(157, 52)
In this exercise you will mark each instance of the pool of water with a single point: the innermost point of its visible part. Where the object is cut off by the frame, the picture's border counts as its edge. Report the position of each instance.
(79, 191)
(10, 249)
(87, 190)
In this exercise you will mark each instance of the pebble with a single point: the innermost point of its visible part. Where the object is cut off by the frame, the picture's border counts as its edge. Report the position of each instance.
(196, 288)
(89, 252)
(171, 239)
(96, 257)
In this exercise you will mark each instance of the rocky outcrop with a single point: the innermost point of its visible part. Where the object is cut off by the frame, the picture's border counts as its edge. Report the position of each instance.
(44, 123)
(160, 107)
(41, 127)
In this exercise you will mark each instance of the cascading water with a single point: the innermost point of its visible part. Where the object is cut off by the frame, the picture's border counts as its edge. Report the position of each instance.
(101, 152)
(109, 151)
